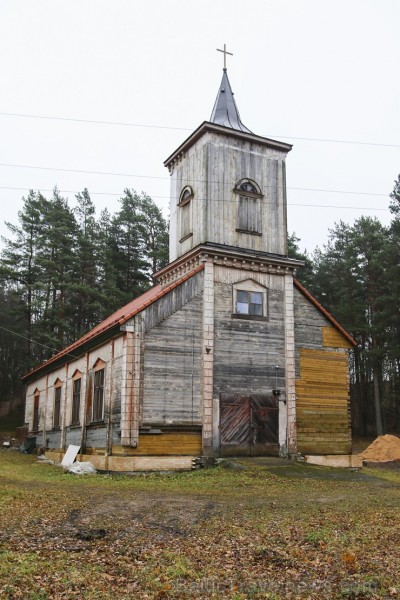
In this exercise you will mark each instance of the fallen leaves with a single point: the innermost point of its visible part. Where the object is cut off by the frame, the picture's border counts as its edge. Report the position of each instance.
(179, 537)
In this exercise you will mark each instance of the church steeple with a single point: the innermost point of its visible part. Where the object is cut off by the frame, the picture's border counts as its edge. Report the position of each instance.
(225, 111)
(228, 186)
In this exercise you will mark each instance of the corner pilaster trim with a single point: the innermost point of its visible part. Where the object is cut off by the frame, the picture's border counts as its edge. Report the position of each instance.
(207, 356)
(290, 366)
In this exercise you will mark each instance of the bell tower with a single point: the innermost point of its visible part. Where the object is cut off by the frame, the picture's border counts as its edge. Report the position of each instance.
(228, 186)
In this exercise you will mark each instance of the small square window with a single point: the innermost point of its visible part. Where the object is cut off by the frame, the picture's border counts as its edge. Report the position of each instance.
(249, 303)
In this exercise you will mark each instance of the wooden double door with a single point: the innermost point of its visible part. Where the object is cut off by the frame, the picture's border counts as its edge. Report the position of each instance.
(249, 425)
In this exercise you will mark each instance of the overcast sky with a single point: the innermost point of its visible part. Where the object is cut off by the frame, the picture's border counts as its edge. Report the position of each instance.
(300, 69)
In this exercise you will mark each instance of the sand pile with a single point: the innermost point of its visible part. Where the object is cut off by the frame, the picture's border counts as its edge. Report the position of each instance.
(384, 449)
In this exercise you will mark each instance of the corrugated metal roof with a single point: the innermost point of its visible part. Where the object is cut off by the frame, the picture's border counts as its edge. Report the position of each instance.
(326, 314)
(225, 111)
(120, 317)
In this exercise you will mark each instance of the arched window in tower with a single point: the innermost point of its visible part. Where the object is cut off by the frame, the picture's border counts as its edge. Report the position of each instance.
(185, 216)
(249, 218)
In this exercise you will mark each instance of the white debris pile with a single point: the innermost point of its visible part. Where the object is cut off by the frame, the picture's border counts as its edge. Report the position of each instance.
(81, 468)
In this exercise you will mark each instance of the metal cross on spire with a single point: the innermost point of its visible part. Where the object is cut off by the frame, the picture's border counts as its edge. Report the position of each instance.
(225, 52)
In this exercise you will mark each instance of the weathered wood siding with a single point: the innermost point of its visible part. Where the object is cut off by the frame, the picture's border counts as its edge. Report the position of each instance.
(172, 350)
(172, 302)
(247, 351)
(212, 167)
(322, 384)
(86, 433)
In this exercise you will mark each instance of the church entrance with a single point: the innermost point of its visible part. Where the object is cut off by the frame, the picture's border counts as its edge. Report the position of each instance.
(249, 425)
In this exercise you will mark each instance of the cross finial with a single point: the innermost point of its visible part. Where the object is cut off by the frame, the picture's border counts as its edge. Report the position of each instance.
(225, 52)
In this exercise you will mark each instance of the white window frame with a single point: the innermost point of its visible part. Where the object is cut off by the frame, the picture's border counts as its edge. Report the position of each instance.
(249, 287)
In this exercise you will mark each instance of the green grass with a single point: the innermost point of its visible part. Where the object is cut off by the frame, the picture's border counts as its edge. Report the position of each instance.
(281, 532)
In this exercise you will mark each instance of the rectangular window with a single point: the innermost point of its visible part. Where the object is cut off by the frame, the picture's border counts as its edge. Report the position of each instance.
(76, 401)
(35, 425)
(186, 228)
(249, 215)
(98, 395)
(57, 407)
(249, 303)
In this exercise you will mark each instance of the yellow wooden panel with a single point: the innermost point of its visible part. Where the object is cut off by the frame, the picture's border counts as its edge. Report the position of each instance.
(332, 338)
(322, 402)
(164, 444)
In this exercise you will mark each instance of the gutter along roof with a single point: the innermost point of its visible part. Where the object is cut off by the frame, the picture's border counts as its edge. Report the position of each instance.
(109, 327)
(326, 314)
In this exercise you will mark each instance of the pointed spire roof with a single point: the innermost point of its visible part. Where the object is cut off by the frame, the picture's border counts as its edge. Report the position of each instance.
(225, 111)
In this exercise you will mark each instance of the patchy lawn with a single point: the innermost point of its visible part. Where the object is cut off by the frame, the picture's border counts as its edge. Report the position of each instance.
(264, 531)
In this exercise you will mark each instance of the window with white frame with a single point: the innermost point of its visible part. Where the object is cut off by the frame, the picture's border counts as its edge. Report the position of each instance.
(249, 303)
(250, 300)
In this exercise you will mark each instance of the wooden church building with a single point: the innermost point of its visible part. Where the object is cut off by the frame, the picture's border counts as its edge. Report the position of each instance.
(228, 354)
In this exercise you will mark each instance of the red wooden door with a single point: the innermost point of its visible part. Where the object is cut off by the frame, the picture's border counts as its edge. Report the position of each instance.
(249, 425)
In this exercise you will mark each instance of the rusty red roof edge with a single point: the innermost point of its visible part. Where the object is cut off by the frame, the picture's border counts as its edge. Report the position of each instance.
(326, 314)
(135, 307)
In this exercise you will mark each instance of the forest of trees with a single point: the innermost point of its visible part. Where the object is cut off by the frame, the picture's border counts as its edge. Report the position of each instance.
(63, 270)
(356, 277)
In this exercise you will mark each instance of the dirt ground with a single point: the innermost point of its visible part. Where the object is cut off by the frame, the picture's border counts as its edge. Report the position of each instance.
(255, 529)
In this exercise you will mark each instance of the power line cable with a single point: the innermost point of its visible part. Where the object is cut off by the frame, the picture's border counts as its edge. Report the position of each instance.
(34, 341)
(147, 126)
(188, 183)
(373, 208)
(82, 171)
(95, 122)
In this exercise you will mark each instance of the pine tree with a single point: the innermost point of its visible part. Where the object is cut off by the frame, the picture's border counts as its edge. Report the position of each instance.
(154, 233)
(350, 282)
(129, 257)
(57, 259)
(85, 286)
(304, 274)
(20, 264)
